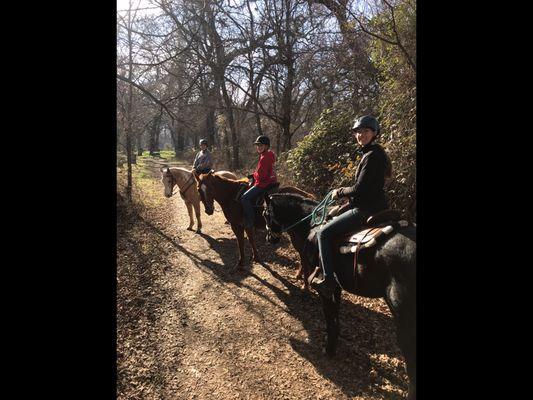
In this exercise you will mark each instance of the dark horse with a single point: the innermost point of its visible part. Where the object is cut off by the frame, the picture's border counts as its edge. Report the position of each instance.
(387, 270)
(213, 187)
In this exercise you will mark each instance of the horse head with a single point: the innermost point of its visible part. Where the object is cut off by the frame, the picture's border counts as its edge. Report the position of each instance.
(206, 190)
(284, 211)
(272, 226)
(168, 180)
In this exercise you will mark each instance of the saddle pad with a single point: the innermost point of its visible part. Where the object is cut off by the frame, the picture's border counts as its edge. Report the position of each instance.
(366, 238)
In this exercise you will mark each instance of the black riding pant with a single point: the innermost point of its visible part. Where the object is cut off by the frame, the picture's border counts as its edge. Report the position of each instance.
(345, 223)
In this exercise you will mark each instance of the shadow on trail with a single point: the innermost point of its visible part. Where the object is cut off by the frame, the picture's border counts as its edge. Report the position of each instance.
(225, 248)
(363, 332)
(139, 296)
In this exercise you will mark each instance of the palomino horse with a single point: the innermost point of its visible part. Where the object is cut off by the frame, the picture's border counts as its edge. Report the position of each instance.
(215, 187)
(386, 270)
(184, 179)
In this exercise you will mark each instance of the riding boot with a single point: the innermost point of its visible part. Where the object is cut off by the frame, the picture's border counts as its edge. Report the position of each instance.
(326, 287)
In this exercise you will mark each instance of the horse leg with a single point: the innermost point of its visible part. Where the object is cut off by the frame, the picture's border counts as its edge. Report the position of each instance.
(303, 272)
(239, 233)
(404, 312)
(331, 312)
(250, 234)
(406, 331)
(198, 219)
(189, 210)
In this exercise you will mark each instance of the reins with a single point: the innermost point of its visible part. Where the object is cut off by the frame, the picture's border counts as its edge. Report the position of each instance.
(318, 215)
(174, 182)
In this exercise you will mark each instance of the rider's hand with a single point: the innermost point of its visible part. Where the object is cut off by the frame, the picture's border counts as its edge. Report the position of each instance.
(335, 194)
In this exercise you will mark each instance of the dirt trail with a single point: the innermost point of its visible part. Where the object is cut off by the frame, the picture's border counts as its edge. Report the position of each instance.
(189, 329)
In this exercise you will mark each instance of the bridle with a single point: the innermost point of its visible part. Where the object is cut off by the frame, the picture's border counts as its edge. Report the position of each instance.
(173, 183)
(275, 235)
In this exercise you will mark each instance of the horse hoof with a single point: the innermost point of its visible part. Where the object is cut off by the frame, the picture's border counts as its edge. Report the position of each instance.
(238, 268)
(190, 228)
(198, 231)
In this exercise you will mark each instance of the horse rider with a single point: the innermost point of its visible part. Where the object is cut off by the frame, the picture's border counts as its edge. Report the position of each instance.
(203, 162)
(264, 176)
(366, 197)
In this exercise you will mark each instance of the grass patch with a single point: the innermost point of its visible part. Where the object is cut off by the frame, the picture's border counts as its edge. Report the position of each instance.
(166, 154)
(147, 188)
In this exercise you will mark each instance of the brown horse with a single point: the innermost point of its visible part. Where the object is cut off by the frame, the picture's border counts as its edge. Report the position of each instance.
(213, 187)
(184, 179)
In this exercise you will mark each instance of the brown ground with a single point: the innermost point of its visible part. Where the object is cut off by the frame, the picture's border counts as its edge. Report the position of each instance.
(189, 329)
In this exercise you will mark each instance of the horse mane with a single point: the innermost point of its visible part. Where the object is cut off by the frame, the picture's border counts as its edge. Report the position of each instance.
(293, 196)
(179, 169)
(295, 190)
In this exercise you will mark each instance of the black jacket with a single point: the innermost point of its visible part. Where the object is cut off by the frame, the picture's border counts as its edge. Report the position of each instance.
(367, 193)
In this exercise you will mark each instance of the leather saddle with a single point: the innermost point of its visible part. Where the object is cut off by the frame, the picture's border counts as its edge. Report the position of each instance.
(259, 200)
(376, 226)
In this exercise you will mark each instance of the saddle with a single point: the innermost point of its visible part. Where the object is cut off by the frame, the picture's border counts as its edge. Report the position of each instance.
(259, 200)
(376, 226)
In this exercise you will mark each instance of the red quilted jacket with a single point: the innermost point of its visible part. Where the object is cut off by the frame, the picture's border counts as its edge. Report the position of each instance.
(265, 173)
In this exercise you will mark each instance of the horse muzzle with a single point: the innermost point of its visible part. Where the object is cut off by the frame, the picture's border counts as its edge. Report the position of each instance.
(209, 211)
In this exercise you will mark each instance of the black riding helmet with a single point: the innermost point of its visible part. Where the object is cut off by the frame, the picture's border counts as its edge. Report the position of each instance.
(262, 140)
(203, 141)
(366, 121)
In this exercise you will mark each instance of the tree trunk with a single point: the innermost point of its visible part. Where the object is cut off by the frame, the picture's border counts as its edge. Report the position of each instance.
(180, 137)
(154, 132)
(176, 135)
(129, 112)
(286, 105)
(235, 165)
(139, 144)
(226, 148)
(210, 125)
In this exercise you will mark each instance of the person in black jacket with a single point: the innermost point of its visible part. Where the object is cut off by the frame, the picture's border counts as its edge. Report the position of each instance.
(366, 197)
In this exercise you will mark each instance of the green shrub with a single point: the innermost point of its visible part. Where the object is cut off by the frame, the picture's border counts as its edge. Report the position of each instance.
(327, 157)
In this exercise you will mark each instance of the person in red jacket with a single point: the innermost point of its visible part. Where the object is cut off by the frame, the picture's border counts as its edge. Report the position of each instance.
(264, 176)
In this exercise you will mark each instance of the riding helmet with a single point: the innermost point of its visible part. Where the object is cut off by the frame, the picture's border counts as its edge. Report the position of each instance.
(366, 121)
(203, 141)
(262, 140)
